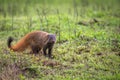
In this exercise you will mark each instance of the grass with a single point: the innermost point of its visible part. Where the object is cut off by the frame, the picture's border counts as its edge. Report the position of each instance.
(87, 47)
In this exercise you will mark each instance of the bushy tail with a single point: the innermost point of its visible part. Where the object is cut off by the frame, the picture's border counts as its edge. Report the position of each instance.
(10, 39)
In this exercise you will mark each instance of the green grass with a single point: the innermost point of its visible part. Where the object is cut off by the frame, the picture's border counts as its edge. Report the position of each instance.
(85, 49)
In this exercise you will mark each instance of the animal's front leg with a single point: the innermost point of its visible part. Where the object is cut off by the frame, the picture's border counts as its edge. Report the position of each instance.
(44, 50)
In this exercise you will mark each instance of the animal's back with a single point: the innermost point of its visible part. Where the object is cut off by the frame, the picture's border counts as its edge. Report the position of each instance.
(36, 37)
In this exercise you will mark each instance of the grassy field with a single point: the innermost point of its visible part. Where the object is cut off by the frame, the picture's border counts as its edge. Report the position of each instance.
(88, 39)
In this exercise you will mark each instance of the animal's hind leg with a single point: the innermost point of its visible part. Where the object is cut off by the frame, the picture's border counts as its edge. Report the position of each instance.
(35, 49)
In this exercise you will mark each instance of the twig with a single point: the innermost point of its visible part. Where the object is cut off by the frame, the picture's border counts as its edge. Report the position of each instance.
(41, 20)
(59, 26)
(75, 14)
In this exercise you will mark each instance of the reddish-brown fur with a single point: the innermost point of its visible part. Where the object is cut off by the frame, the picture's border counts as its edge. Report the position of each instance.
(35, 40)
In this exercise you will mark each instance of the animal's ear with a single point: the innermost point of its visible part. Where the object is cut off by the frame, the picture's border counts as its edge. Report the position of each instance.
(49, 36)
(54, 34)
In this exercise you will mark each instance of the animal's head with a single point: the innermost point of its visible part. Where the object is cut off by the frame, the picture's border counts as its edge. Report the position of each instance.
(52, 38)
